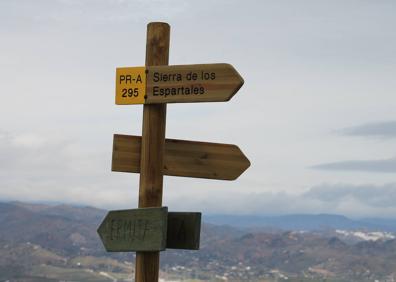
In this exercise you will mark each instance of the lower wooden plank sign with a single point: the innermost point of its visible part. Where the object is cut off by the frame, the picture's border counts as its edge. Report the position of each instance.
(184, 230)
(183, 158)
(141, 229)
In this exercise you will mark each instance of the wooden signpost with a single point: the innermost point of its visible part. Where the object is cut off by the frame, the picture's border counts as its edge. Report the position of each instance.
(151, 228)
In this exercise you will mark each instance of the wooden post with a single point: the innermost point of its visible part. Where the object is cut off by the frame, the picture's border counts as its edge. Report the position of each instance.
(152, 154)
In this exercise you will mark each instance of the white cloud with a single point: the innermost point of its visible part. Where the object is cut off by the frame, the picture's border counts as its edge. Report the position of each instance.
(42, 168)
(309, 67)
(63, 13)
(351, 200)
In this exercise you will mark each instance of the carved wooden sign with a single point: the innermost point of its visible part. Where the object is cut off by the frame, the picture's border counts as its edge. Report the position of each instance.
(183, 158)
(135, 230)
(150, 229)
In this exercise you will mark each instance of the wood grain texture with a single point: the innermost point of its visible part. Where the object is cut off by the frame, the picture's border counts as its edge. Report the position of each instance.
(143, 229)
(152, 149)
(224, 84)
(184, 229)
(183, 158)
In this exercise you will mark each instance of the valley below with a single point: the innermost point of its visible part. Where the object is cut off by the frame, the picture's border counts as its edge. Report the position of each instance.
(60, 243)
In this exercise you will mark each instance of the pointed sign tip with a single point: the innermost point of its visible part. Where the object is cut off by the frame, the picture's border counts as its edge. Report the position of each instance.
(238, 80)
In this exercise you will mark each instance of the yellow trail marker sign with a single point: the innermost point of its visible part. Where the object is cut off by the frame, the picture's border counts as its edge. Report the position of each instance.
(176, 84)
(130, 85)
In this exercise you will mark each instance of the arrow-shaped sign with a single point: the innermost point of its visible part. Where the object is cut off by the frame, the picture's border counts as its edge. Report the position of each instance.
(150, 229)
(142, 229)
(176, 84)
(183, 158)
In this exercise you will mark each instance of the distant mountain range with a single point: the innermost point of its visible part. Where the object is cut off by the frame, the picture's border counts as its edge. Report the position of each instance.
(302, 222)
(59, 243)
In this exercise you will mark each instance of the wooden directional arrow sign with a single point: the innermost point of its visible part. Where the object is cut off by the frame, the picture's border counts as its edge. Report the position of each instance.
(142, 229)
(183, 158)
(176, 84)
(150, 229)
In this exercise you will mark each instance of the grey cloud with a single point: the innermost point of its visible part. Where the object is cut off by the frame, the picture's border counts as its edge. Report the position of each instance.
(385, 129)
(92, 12)
(367, 194)
(351, 200)
(384, 165)
(35, 167)
(38, 168)
(316, 47)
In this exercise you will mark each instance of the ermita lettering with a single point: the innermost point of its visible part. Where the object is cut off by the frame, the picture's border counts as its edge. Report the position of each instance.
(128, 230)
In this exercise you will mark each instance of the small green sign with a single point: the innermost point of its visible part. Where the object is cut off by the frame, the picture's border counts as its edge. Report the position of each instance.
(134, 230)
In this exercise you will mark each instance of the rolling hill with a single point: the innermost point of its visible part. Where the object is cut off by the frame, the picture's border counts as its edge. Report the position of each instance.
(54, 243)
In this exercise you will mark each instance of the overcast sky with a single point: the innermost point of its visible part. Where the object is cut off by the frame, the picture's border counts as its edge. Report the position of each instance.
(316, 115)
